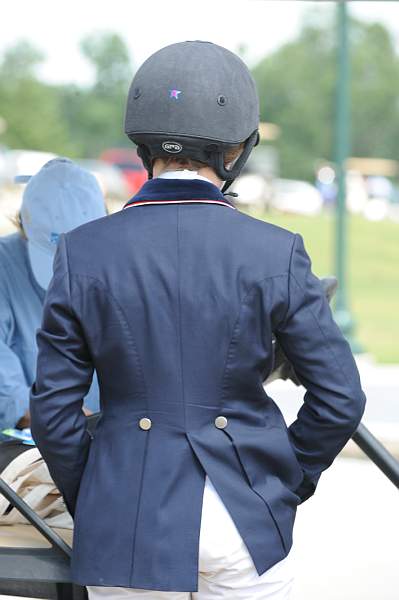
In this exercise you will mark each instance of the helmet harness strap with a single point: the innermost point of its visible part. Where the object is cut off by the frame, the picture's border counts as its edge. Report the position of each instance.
(216, 160)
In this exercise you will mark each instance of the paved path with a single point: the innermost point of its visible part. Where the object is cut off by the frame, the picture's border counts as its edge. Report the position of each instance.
(346, 536)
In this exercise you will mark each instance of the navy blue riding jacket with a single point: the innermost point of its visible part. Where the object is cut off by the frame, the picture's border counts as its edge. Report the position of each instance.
(173, 302)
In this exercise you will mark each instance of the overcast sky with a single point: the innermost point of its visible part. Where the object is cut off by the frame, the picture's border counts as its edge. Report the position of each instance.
(57, 27)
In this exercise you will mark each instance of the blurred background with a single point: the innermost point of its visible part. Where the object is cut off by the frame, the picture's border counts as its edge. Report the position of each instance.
(63, 83)
(327, 167)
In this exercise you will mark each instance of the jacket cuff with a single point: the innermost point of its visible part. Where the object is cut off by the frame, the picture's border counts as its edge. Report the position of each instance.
(307, 487)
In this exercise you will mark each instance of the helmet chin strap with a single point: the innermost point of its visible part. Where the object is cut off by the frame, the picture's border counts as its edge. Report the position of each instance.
(145, 156)
(229, 175)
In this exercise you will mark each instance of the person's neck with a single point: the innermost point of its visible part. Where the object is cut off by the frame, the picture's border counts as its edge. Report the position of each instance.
(177, 172)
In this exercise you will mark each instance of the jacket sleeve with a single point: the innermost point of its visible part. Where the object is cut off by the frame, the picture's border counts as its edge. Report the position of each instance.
(63, 377)
(14, 390)
(334, 401)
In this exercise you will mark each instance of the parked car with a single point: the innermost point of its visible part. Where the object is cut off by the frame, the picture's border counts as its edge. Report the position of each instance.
(129, 163)
(110, 179)
(294, 196)
(253, 190)
(23, 162)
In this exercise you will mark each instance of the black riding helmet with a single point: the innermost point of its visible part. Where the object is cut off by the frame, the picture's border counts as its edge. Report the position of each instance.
(194, 100)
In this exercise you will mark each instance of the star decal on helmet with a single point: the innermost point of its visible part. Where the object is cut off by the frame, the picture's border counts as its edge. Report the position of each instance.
(174, 94)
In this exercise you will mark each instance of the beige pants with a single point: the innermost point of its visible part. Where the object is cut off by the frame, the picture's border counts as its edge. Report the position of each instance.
(226, 570)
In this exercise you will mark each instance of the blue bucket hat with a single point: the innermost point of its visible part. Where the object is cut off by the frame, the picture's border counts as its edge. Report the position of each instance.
(60, 197)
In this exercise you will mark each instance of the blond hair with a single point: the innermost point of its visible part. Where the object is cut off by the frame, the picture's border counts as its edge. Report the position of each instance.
(16, 220)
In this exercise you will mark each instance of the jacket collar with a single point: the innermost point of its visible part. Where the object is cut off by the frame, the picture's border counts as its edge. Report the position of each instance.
(172, 191)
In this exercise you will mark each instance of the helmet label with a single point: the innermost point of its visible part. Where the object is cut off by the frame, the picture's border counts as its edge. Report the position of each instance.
(172, 147)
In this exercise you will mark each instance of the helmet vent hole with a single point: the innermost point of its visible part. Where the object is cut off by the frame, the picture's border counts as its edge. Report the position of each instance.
(222, 100)
(136, 93)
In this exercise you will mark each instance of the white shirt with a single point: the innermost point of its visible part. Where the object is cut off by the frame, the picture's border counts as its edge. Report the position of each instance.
(184, 174)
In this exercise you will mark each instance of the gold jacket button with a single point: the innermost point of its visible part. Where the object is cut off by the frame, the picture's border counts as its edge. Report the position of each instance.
(145, 423)
(220, 422)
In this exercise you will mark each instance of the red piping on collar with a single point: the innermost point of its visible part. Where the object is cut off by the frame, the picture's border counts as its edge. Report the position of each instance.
(143, 202)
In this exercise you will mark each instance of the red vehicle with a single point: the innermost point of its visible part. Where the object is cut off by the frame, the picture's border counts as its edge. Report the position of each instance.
(127, 160)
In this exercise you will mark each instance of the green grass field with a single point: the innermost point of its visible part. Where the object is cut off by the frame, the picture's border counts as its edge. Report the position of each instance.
(373, 273)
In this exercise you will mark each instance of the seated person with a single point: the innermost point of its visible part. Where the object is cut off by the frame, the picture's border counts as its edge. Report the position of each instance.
(60, 197)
